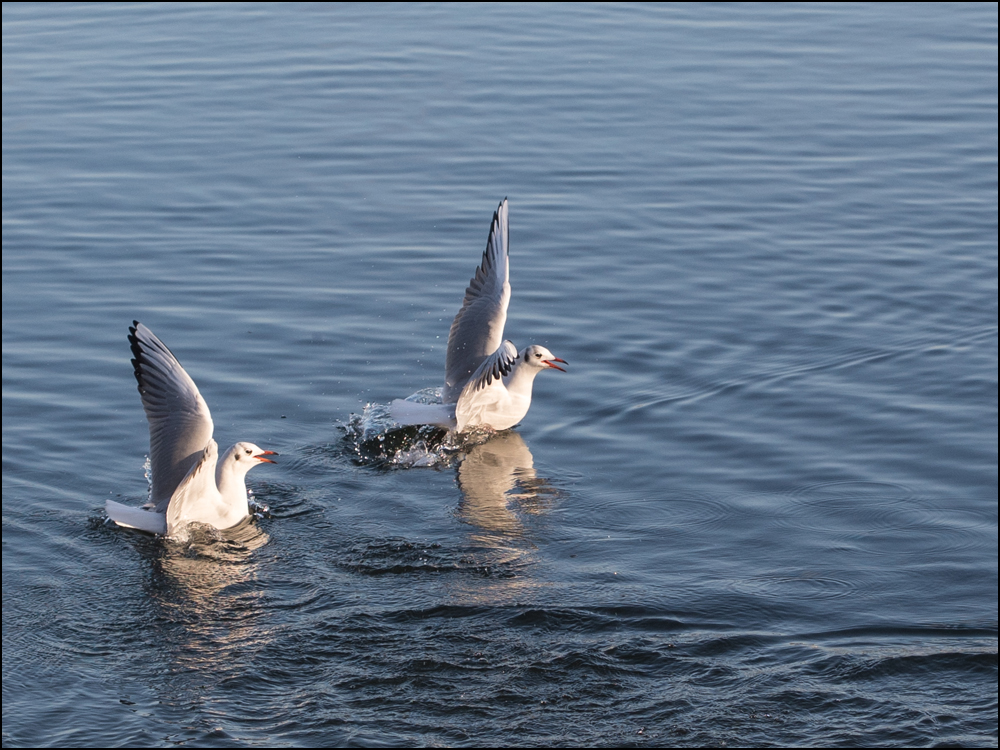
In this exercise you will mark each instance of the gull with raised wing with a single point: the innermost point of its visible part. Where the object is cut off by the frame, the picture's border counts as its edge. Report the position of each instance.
(190, 484)
(487, 380)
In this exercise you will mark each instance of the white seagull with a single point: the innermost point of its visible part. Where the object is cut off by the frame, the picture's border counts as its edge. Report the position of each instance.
(487, 381)
(189, 483)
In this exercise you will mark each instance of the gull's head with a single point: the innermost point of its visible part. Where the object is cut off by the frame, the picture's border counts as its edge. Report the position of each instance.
(244, 456)
(542, 358)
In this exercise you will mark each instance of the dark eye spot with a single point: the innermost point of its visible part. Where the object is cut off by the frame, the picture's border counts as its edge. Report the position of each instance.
(248, 451)
(538, 356)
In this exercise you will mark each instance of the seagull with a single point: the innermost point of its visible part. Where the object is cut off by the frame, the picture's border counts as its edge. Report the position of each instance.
(189, 482)
(487, 380)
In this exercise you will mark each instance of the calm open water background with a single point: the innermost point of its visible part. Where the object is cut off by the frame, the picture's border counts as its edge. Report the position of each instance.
(761, 507)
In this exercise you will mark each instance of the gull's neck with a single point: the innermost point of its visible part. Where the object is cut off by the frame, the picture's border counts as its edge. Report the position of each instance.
(522, 375)
(230, 477)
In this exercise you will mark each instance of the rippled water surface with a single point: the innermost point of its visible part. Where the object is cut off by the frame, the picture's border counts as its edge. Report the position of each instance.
(759, 509)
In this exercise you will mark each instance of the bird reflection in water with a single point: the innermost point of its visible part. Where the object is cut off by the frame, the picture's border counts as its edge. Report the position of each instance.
(499, 485)
(205, 587)
(208, 561)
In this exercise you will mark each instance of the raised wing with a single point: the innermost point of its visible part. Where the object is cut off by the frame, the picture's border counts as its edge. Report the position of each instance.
(477, 330)
(180, 424)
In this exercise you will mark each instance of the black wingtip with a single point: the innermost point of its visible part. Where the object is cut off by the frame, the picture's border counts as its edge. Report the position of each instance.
(133, 339)
(139, 353)
(494, 226)
(133, 342)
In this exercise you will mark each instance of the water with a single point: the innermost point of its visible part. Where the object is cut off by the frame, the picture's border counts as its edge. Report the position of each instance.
(761, 506)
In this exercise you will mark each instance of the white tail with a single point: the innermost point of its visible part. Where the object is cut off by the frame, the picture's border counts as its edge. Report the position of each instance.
(136, 518)
(410, 412)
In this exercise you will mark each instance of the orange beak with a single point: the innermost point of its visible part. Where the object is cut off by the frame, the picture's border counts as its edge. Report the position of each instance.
(260, 456)
(555, 367)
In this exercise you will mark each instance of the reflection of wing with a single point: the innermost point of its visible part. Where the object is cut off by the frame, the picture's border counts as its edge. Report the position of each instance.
(477, 330)
(193, 499)
(180, 424)
(487, 474)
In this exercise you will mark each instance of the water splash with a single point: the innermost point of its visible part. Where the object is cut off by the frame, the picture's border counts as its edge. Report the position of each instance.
(147, 470)
(258, 509)
(375, 439)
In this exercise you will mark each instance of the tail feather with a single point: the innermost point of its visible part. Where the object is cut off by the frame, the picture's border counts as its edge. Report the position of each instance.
(136, 518)
(413, 413)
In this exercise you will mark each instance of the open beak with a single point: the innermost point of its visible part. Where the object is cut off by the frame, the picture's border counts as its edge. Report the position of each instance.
(555, 367)
(260, 456)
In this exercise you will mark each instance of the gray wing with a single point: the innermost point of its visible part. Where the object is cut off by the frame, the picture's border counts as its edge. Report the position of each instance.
(495, 367)
(477, 330)
(180, 424)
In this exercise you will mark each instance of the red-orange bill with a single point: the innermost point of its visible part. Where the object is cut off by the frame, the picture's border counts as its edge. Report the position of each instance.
(555, 359)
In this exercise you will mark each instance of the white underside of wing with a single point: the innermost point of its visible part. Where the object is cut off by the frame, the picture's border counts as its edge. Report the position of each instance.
(486, 406)
(485, 400)
(197, 499)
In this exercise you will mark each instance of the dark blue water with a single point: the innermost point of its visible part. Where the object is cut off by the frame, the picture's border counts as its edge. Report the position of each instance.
(760, 508)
